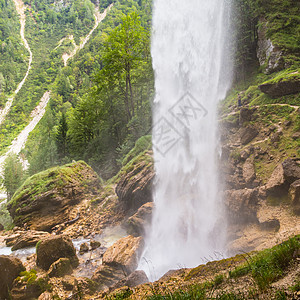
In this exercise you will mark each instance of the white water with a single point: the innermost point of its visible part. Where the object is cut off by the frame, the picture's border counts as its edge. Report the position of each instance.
(191, 76)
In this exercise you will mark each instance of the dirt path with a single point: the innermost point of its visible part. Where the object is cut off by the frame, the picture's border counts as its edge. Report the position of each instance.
(21, 11)
(98, 19)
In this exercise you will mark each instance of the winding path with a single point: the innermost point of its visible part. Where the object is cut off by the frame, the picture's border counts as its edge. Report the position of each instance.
(21, 11)
(36, 115)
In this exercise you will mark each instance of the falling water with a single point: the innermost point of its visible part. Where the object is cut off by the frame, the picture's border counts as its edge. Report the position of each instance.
(191, 76)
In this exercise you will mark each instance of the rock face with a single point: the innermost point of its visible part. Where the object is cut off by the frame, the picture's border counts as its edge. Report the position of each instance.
(47, 198)
(53, 248)
(269, 56)
(241, 205)
(282, 177)
(137, 223)
(281, 88)
(124, 252)
(10, 269)
(249, 171)
(134, 187)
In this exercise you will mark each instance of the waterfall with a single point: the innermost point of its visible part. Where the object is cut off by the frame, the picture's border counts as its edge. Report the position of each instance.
(192, 73)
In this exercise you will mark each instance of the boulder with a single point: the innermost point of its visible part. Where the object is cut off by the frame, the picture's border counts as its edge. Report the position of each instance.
(135, 187)
(247, 134)
(137, 223)
(53, 248)
(246, 115)
(60, 268)
(134, 279)
(84, 247)
(241, 205)
(294, 193)
(270, 225)
(282, 177)
(28, 239)
(107, 275)
(94, 244)
(47, 199)
(281, 88)
(10, 269)
(125, 252)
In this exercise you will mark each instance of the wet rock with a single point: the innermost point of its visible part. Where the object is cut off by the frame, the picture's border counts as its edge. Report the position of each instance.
(294, 193)
(137, 223)
(53, 248)
(60, 268)
(134, 279)
(247, 134)
(135, 187)
(84, 247)
(125, 252)
(281, 178)
(48, 198)
(281, 88)
(12, 239)
(94, 244)
(242, 205)
(28, 239)
(10, 269)
(269, 56)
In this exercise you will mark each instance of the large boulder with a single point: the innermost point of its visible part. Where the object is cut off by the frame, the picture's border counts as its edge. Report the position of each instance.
(60, 268)
(125, 252)
(10, 268)
(137, 223)
(282, 177)
(48, 198)
(135, 185)
(281, 88)
(241, 205)
(53, 248)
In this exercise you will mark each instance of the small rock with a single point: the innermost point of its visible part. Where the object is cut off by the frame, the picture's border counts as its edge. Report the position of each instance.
(94, 244)
(60, 268)
(84, 247)
(248, 134)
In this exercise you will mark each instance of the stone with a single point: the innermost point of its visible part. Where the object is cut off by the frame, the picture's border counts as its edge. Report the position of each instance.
(249, 171)
(10, 269)
(95, 244)
(1, 227)
(53, 248)
(247, 134)
(49, 198)
(283, 175)
(134, 279)
(241, 205)
(60, 268)
(270, 225)
(137, 223)
(281, 88)
(125, 252)
(107, 275)
(84, 247)
(46, 296)
(28, 239)
(135, 187)
(294, 194)
(246, 115)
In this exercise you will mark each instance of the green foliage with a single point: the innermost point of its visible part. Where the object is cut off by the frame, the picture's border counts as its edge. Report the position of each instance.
(13, 174)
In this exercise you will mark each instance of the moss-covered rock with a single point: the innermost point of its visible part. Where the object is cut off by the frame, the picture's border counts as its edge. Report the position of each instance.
(47, 198)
